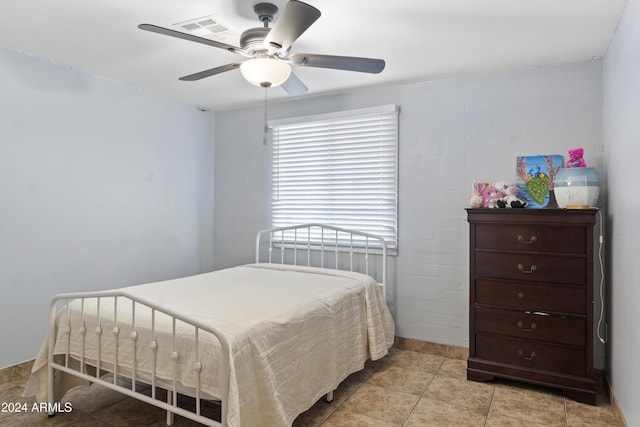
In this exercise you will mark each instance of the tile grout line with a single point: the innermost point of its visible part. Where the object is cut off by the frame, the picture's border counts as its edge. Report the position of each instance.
(422, 394)
(486, 418)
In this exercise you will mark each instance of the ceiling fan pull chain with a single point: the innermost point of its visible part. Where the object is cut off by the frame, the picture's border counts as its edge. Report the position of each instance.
(265, 136)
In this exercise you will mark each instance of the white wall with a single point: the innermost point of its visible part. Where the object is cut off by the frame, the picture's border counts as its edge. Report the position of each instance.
(622, 149)
(451, 131)
(101, 185)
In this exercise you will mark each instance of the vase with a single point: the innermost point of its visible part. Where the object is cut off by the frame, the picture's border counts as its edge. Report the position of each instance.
(577, 188)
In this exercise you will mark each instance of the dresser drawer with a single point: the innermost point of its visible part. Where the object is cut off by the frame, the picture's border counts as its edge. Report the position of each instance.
(524, 237)
(531, 354)
(558, 329)
(540, 297)
(533, 268)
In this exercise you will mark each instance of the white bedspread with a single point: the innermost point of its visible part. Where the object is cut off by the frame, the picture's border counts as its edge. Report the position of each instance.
(294, 332)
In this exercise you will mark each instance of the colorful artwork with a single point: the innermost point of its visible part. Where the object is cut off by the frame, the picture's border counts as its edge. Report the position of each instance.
(535, 180)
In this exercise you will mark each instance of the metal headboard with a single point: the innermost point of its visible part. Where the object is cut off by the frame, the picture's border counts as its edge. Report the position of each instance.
(325, 246)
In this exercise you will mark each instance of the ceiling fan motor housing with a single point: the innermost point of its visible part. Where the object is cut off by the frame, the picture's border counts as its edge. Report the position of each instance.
(252, 40)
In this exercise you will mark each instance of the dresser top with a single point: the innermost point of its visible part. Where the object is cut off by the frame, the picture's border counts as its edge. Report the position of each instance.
(533, 216)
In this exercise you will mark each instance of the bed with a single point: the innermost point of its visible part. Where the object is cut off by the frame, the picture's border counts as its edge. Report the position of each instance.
(265, 340)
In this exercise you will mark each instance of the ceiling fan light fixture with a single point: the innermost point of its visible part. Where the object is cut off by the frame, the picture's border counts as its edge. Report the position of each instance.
(265, 72)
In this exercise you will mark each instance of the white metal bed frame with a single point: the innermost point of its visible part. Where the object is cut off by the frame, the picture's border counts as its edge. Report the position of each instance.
(322, 244)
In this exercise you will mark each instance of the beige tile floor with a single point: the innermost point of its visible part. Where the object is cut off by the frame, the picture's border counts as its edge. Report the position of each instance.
(406, 388)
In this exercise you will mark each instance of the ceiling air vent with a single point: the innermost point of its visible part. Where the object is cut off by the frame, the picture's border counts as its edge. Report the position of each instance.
(209, 27)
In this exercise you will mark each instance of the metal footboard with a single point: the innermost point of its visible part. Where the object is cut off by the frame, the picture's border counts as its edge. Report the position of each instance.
(67, 363)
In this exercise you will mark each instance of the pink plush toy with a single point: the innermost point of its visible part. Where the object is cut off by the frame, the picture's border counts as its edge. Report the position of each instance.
(491, 195)
(477, 200)
(575, 158)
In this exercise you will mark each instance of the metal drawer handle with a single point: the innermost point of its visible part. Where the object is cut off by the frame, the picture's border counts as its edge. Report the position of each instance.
(525, 357)
(531, 270)
(520, 295)
(532, 240)
(529, 329)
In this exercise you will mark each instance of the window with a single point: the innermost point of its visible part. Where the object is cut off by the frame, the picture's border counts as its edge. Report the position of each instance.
(339, 169)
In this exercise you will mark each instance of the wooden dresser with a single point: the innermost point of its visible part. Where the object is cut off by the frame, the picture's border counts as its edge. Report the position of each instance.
(531, 298)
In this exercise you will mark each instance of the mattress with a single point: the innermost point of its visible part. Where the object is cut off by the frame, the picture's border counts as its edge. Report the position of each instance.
(294, 334)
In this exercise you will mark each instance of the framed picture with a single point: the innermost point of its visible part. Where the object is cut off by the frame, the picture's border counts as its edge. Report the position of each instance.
(535, 179)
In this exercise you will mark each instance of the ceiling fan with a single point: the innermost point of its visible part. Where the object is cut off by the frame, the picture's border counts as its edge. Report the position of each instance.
(268, 50)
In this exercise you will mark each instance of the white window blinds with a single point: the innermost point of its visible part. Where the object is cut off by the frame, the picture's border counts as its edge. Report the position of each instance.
(339, 169)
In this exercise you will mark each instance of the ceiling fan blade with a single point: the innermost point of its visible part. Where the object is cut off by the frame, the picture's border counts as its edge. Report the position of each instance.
(348, 63)
(190, 37)
(294, 86)
(293, 21)
(210, 72)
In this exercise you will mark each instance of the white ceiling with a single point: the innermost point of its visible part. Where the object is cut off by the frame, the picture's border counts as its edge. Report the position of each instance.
(419, 39)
